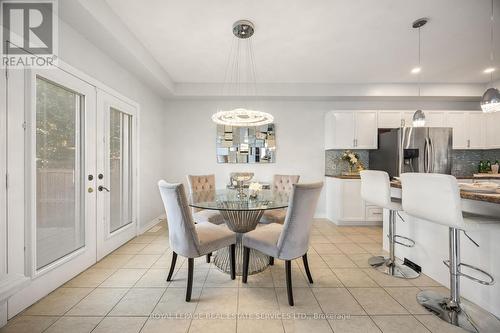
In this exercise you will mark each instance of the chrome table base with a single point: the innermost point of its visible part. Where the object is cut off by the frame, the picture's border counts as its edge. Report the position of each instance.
(394, 268)
(466, 315)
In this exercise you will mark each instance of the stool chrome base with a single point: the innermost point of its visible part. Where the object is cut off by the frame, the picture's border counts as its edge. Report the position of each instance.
(393, 268)
(466, 315)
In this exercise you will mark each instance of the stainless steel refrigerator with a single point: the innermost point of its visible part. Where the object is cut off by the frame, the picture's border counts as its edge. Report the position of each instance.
(413, 149)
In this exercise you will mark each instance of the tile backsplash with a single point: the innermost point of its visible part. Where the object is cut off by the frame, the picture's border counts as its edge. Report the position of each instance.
(465, 162)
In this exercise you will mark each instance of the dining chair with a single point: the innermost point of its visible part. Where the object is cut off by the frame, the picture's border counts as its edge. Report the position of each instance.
(282, 184)
(204, 183)
(290, 240)
(192, 240)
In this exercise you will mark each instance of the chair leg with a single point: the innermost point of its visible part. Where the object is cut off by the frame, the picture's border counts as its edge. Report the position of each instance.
(232, 259)
(306, 266)
(172, 266)
(208, 257)
(190, 279)
(271, 261)
(288, 274)
(246, 259)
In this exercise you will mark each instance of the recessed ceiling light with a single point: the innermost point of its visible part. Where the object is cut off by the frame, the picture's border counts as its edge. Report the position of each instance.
(489, 70)
(416, 70)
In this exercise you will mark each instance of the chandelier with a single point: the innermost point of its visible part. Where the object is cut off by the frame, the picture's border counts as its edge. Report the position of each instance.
(490, 102)
(241, 66)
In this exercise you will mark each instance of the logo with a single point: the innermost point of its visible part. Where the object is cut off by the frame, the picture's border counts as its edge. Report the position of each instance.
(29, 33)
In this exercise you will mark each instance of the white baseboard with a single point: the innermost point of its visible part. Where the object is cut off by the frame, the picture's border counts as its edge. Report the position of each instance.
(150, 224)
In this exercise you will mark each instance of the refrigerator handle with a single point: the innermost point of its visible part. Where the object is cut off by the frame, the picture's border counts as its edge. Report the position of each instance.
(431, 156)
(426, 155)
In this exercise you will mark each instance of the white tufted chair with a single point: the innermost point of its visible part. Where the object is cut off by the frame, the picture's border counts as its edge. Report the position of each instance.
(204, 183)
(281, 184)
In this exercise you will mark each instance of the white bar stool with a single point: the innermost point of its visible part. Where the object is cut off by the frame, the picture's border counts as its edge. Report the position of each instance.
(436, 198)
(376, 189)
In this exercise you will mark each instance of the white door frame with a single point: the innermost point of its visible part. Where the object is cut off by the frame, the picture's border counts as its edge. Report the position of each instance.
(108, 241)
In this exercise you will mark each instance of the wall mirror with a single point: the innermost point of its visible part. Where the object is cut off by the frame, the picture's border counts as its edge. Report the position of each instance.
(246, 144)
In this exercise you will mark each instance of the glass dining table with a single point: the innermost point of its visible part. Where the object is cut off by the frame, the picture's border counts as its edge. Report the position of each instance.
(241, 214)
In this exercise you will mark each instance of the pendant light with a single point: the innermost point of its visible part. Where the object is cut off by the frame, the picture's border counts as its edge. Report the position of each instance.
(243, 30)
(419, 115)
(490, 102)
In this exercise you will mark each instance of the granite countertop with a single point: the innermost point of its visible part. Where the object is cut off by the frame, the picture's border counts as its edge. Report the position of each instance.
(344, 176)
(486, 197)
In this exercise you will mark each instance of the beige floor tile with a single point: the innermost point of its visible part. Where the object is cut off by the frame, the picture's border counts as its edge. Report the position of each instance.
(217, 300)
(173, 302)
(153, 278)
(424, 281)
(213, 325)
(166, 259)
(58, 302)
(166, 325)
(350, 248)
(360, 259)
(123, 278)
(263, 279)
(436, 325)
(142, 261)
(138, 302)
(257, 300)
(298, 278)
(130, 248)
(338, 301)
(354, 324)
(113, 261)
(120, 325)
(371, 247)
(324, 277)
(338, 261)
(361, 239)
(143, 239)
(314, 261)
(159, 247)
(306, 326)
(179, 280)
(338, 239)
(98, 303)
(74, 325)
(398, 324)
(304, 300)
(216, 278)
(318, 239)
(407, 296)
(326, 249)
(28, 324)
(263, 325)
(385, 280)
(354, 277)
(92, 277)
(376, 301)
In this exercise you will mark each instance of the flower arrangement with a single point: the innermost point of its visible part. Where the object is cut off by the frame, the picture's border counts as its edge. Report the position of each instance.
(254, 189)
(353, 160)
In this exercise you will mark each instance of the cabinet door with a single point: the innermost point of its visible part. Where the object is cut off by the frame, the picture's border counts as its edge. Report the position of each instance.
(492, 130)
(458, 121)
(339, 130)
(365, 130)
(476, 125)
(389, 119)
(407, 117)
(352, 204)
(434, 119)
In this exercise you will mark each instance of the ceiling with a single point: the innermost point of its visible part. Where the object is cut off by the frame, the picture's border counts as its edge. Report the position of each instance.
(318, 41)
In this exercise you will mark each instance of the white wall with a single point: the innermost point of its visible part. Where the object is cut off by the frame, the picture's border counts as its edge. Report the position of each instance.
(80, 53)
(189, 137)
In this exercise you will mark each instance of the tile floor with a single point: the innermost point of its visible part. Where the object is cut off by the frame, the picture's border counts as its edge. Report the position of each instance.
(127, 292)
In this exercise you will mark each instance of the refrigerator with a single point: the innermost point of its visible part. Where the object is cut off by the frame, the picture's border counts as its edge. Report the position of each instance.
(413, 149)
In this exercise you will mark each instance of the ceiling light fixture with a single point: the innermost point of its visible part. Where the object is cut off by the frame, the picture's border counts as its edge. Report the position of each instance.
(489, 70)
(490, 102)
(236, 73)
(419, 115)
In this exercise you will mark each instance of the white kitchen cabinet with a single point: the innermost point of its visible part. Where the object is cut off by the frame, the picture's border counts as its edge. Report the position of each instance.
(469, 129)
(434, 118)
(476, 123)
(458, 121)
(492, 130)
(390, 119)
(407, 117)
(351, 130)
(346, 207)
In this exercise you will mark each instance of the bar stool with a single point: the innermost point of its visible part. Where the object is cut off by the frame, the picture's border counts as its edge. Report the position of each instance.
(436, 198)
(376, 189)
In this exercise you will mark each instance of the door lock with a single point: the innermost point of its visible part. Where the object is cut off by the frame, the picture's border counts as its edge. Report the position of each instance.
(90, 190)
(101, 188)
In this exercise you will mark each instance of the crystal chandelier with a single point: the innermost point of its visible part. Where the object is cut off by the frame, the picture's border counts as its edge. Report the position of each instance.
(241, 65)
(490, 102)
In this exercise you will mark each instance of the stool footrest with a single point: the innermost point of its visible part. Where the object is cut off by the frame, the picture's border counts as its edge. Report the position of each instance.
(470, 277)
(410, 244)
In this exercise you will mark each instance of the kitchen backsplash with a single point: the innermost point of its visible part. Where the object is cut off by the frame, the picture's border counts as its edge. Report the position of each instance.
(465, 162)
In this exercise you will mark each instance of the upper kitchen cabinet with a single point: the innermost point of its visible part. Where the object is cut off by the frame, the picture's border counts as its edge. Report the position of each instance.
(351, 130)
(390, 119)
(492, 130)
(458, 121)
(395, 119)
(468, 129)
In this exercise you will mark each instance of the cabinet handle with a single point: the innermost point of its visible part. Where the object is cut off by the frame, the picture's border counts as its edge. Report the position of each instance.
(468, 143)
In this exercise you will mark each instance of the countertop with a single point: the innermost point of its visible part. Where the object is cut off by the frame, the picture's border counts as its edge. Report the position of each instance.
(344, 176)
(486, 197)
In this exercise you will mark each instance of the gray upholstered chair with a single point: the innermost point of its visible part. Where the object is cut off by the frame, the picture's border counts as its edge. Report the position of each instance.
(189, 239)
(204, 183)
(290, 240)
(281, 184)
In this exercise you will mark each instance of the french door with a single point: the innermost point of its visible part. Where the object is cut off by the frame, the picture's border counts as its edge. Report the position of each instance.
(78, 187)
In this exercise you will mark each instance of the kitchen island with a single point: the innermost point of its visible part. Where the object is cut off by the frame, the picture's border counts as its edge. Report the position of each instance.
(431, 247)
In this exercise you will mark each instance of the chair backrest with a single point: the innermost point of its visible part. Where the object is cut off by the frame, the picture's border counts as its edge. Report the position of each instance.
(284, 183)
(376, 187)
(181, 229)
(199, 183)
(294, 239)
(433, 197)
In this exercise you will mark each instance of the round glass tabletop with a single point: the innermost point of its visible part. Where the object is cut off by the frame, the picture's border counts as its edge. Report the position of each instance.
(228, 199)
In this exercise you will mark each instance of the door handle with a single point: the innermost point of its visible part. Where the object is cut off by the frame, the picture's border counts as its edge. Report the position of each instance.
(426, 155)
(101, 188)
